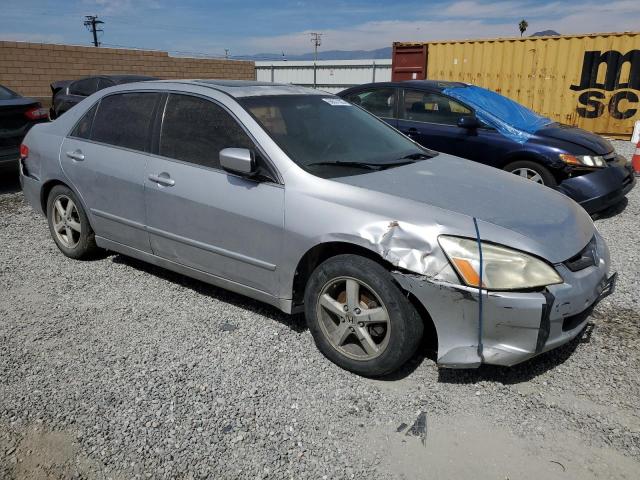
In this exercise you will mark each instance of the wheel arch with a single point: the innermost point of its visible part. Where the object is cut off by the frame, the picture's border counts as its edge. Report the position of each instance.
(530, 156)
(46, 190)
(321, 252)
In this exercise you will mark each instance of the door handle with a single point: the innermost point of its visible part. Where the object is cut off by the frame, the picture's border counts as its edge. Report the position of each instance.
(162, 179)
(411, 131)
(76, 155)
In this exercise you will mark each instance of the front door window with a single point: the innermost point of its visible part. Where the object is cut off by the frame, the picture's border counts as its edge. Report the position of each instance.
(432, 108)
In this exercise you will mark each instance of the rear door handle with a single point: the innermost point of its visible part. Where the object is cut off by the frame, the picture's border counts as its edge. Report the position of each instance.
(162, 179)
(76, 155)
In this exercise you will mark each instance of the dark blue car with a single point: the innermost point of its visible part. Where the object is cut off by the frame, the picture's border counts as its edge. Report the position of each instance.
(481, 125)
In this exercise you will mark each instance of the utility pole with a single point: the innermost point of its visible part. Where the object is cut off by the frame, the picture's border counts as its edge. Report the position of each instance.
(91, 22)
(316, 39)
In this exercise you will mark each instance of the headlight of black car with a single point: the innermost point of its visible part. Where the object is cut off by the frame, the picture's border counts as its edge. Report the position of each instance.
(589, 161)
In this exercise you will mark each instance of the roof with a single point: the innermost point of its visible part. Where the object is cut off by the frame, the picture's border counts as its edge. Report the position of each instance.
(250, 88)
(519, 39)
(437, 85)
(127, 78)
(434, 84)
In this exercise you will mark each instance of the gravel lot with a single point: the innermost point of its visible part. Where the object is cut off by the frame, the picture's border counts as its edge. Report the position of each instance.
(115, 369)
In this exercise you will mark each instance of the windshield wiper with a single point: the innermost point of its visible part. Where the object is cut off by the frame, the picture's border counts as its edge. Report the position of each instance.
(366, 165)
(417, 156)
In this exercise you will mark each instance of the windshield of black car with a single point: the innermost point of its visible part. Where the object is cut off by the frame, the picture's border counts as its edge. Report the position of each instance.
(329, 137)
(6, 94)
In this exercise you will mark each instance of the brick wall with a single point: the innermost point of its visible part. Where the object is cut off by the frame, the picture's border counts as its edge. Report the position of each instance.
(29, 68)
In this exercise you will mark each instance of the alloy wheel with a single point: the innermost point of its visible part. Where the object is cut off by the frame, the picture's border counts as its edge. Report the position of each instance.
(66, 221)
(529, 174)
(353, 318)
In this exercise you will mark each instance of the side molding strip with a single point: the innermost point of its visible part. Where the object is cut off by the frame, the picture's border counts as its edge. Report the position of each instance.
(187, 241)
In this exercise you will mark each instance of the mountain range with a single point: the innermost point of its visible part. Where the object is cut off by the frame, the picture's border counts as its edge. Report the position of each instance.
(324, 55)
(346, 54)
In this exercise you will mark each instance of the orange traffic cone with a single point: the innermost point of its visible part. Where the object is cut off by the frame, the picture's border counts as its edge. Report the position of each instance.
(635, 160)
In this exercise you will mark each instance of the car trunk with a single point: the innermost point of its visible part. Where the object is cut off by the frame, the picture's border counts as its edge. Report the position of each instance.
(14, 123)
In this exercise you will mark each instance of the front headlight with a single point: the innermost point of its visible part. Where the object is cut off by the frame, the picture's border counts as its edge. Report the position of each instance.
(502, 268)
(591, 161)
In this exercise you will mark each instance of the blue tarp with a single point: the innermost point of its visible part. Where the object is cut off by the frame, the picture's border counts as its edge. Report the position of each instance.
(513, 120)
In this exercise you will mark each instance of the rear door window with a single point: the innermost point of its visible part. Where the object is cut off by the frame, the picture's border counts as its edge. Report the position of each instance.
(379, 101)
(124, 120)
(84, 87)
(195, 130)
(432, 108)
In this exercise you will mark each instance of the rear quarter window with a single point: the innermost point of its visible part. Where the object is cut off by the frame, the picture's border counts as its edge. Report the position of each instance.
(84, 87)
(83, 127)
(124, 120)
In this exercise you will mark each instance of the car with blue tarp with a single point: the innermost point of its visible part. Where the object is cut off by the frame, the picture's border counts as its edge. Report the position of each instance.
(481, 125)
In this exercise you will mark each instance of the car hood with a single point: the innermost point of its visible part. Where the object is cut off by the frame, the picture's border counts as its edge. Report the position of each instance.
(544, 221)
(577, 136)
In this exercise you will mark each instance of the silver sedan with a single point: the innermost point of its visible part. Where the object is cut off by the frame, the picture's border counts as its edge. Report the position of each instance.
(301, 200)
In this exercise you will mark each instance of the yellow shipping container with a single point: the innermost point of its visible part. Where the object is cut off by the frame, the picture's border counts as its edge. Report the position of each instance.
(591, 81)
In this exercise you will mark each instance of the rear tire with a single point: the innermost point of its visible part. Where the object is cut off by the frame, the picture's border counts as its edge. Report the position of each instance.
(69, 225)
(359, 317)
(532, 171)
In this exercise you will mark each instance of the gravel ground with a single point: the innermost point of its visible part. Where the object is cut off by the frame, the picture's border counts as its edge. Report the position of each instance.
(115, 369)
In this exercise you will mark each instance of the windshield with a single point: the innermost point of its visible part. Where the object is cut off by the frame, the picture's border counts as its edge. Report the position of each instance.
(6, 94)
(508, 117)
(330, 137)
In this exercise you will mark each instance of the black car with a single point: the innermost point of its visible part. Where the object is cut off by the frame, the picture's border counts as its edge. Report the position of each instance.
(484, 126)
(17, 115)
(67, 93)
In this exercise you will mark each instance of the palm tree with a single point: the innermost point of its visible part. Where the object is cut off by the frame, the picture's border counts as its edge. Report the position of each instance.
(523, 26)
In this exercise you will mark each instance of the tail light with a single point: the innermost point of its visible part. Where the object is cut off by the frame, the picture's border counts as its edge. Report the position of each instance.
(36, 113)
(24, 151)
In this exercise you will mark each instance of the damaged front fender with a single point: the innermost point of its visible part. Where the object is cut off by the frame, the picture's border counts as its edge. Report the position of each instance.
(409, 247)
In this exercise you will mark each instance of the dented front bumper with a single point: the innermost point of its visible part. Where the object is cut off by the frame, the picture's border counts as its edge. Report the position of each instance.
(516, 326)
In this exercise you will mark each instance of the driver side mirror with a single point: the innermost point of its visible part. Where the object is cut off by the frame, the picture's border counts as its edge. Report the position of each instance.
(238, 160)
(469, 122)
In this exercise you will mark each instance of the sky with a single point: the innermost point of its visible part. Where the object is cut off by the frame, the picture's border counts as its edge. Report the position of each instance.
(246, 27)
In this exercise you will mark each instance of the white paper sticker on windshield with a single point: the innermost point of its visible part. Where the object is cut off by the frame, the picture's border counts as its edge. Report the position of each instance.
(336, 102)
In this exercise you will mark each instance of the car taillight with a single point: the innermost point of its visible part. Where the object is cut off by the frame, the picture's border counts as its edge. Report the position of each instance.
(36, 113)
(24, 151)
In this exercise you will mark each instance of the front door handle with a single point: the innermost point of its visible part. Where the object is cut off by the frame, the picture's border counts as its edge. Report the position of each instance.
(76, 155)
(162, 179)
(410, 132)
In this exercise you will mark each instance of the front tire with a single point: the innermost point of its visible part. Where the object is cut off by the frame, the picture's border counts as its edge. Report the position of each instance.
(532, 171)
(69, 225)
(359, 318)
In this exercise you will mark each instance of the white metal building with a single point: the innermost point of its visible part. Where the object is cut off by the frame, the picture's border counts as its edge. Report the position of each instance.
(331, 75)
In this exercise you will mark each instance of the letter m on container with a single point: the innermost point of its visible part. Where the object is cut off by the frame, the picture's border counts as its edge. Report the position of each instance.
(617, 78)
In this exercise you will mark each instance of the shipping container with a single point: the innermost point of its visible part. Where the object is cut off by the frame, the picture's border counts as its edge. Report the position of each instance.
(591, 81)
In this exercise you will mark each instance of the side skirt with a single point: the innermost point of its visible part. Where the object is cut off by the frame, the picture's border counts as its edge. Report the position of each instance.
(281, 303)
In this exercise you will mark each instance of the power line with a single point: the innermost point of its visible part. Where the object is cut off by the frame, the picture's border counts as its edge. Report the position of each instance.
(91, 22)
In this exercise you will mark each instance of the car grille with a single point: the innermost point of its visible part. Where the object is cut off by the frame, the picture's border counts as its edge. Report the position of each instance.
(587, 257)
